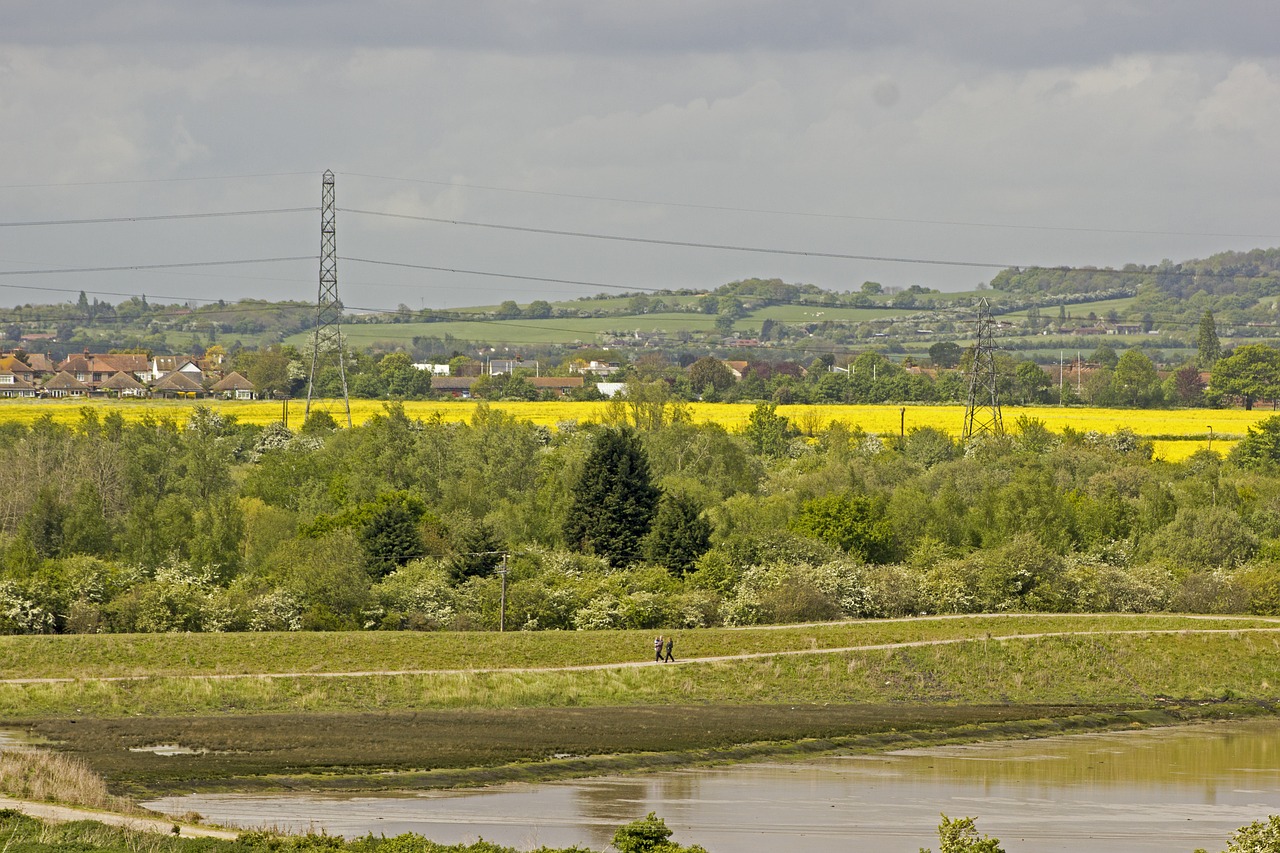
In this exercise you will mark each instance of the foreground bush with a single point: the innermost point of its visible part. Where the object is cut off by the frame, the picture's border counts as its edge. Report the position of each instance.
(22, 834)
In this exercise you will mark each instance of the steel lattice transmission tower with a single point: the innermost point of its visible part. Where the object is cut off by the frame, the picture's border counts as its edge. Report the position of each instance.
(982, 409)
(326, 338)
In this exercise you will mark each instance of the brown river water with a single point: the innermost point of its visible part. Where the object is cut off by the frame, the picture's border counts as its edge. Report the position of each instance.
(1165, 790)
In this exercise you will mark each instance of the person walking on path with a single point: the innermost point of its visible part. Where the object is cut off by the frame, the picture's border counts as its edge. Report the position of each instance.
(657, 649)
(670, 642)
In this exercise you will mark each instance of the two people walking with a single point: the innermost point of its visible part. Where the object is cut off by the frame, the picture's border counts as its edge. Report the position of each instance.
(660, 645)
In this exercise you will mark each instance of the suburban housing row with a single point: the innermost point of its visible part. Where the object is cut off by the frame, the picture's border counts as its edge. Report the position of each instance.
(120, 375)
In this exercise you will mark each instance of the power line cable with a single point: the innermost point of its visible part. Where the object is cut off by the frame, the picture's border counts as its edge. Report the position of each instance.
(794, 252)
(513, 276)
(138, 267)
(54, 184)
(682, 243)
(156, 218)
(813, 214)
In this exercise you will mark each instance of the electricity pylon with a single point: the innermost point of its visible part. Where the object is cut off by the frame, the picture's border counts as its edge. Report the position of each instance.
(327, 335)
(982, 409)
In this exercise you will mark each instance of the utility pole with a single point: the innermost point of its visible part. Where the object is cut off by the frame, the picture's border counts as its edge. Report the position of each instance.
(502, 607)
(982, 408)
(327, 335)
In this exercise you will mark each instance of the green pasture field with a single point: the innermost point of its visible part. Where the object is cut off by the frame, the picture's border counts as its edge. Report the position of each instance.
(566, 330)
(613, 303)
(819, 313)
(402, 709)
(558, 330)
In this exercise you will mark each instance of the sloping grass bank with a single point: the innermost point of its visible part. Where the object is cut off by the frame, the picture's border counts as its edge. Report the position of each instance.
(1088, 669)
(95, 656)
(790, 691)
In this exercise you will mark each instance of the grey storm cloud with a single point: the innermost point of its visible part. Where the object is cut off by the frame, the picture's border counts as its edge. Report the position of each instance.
(1005, 32)
(991, 132)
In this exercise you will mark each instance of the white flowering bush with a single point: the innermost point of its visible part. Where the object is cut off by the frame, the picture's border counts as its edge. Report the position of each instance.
(19, 614)
(418, 595)
(787, 592)
(599, 614)
(181, 597)
(277, 610)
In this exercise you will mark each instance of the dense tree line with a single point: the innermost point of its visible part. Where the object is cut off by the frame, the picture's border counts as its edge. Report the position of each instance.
(643, 521)
(1237, 286)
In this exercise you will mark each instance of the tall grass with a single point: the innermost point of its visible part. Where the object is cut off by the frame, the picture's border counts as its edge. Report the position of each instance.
(39, 774)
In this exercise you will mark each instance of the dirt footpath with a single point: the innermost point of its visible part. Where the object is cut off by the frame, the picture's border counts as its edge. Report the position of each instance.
(61, 814)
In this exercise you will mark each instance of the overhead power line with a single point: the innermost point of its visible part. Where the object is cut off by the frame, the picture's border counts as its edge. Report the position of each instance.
(814, 214)
(52, 184)
(681, 243)
(136, 267)
(30, 223)
(793, 252)
(496, 274)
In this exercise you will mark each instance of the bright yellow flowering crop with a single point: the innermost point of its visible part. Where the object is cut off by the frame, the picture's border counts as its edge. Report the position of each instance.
(1197, 424)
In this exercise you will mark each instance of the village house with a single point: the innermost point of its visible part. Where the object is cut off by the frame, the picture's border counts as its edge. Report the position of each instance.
(17, 379)
(42, 366)
(121, 384)
(234, 387)
(595, 368)
(65, 385)
(178, 384)
(501, 366)
(454, 386)
(559, 385)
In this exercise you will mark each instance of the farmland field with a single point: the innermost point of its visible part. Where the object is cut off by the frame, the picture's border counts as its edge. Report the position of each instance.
(566, 330)
(1176, 429)
(562, 330)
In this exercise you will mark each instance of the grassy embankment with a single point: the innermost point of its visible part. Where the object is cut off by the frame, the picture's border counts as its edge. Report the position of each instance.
(388, 710)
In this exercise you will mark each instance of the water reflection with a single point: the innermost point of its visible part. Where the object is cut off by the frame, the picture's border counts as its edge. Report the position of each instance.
(1159, 790)
(609, 804)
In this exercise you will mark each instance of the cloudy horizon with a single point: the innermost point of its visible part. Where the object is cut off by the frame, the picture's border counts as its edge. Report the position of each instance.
(954, 139)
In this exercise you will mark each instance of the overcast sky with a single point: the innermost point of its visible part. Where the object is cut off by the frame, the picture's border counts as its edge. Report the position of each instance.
(954, 137)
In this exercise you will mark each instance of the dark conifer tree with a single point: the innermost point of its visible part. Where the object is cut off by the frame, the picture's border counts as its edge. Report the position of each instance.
(477, 552)
(391, 537)
(614, 499)
(679, 536)
(1208, 347)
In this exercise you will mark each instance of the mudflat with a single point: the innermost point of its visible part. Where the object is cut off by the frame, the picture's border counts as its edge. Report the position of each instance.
(361, 751)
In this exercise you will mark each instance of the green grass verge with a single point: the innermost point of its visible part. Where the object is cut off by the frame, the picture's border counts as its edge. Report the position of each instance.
(88, 656)
(1086, 669)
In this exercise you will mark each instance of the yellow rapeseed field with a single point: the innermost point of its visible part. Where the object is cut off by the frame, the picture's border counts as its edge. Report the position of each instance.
(1179, 432)
(1178, 451)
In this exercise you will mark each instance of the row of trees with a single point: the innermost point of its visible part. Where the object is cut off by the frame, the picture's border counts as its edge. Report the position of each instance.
(1129, 378)
(645, 520)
